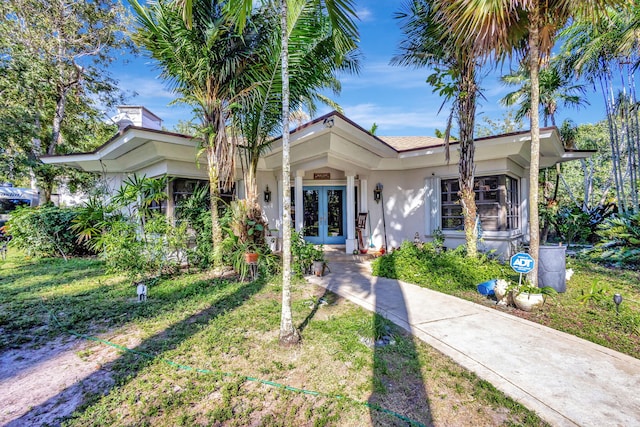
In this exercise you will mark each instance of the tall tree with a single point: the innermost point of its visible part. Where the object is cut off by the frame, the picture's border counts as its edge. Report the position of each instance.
(54, 74)
(606, 54)
(341, 15)
(204, 63)
(427, 43)
(498, 27)
(313, 71)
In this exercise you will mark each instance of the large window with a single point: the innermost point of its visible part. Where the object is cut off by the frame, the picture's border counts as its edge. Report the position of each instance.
(497, 203)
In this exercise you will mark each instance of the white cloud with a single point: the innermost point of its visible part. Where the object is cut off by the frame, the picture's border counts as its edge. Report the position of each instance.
(365, 14)
(396, 120)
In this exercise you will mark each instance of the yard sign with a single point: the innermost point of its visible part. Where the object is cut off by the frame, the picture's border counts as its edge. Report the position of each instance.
(522, 263)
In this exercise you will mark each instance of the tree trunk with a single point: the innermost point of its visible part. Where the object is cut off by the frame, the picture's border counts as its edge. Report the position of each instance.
(288, 333)
(534, 67)
(214, 195)
(466, 116)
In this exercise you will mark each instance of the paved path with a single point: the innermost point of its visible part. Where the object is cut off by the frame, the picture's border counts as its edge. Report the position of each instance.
(566, 380)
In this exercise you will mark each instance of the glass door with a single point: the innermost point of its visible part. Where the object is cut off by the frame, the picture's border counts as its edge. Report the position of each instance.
(324, 215)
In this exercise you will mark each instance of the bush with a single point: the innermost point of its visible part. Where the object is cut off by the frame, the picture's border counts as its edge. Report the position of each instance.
(620, 241)
(45, 231)
(423, 264)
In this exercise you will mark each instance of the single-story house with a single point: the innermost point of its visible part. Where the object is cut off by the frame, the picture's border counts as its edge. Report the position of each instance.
(339, 170)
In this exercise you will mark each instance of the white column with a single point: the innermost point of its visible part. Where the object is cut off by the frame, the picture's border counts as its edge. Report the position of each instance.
(432, 205)
(351, 243)
(364, 192)
(299, 201)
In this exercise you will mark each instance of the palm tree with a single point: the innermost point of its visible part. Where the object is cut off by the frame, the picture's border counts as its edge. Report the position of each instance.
(203, 62)
(500, 27)
(427, 44)
(555, 88)
(312, 69)
(600, 51)
(345, 35)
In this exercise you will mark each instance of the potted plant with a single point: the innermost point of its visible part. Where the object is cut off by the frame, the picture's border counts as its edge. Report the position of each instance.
(248, 227)
(319, 263)
(527, 297)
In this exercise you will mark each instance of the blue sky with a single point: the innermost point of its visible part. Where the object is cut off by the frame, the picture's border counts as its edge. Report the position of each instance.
(397, 99)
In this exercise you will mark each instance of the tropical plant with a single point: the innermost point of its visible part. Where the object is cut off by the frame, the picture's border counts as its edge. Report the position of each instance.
(247, 225)
(44, 231)
(304, 254)
(605, 53)
(620, 240)
(205, 59)
(500, 27)
(429, 43)
(345, 36)
(313, 70)
(555, 88)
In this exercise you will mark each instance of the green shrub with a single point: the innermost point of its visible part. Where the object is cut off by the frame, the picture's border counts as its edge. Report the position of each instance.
(620, 241)
(446, 271)
(45, 231)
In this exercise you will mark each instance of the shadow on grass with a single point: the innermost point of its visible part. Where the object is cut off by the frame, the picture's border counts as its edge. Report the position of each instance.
(127, 366)
(399, 395)
(398, 385)
(14, 283)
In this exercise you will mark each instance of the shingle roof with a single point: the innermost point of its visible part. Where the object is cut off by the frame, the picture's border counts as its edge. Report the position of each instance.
(403, 143)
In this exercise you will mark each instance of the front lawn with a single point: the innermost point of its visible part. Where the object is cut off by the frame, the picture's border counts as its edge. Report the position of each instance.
(203, 350)
(586, 310)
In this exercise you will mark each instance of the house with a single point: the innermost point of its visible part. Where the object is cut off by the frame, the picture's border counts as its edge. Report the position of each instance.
(338, 170)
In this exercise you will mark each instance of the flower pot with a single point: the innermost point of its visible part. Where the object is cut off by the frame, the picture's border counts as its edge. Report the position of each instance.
(251, 257)
(318, 268)
(527, 302)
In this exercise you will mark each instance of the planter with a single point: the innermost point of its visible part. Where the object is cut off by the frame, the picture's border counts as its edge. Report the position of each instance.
(251, 257)
(318, 268)
(526, 301)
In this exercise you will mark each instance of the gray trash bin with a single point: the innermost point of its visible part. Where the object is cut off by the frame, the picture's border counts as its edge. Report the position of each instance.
(552, 267)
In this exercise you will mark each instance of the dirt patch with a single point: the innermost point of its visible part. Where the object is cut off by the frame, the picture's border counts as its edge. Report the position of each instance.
(43, 385)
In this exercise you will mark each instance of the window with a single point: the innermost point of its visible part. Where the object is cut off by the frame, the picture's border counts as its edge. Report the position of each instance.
(497, 203)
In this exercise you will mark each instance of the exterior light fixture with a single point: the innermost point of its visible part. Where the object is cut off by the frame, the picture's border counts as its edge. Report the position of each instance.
(267, 195)
(328, 122)
(377, 193)
(617, 299)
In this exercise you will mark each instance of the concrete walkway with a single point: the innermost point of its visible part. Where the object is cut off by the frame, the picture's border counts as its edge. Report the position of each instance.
(566, 380)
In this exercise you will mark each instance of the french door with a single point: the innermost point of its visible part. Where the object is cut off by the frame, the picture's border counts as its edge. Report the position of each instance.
(325, 215)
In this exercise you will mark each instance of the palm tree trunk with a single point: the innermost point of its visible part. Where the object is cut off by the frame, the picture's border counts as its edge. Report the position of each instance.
(288, 333)
(214, 195)
(466, 114)
(534, 67)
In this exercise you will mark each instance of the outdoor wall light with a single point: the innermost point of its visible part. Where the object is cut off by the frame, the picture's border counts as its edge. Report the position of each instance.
(617, 299)
(267, 195)
(377, 193)
(328, 123)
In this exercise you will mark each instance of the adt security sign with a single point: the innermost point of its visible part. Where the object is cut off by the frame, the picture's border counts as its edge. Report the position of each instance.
(522, 263)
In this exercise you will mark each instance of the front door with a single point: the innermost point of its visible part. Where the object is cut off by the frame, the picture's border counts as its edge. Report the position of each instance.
(325, 215)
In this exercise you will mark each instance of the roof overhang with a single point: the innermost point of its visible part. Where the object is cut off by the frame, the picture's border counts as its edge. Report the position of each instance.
(131, 150)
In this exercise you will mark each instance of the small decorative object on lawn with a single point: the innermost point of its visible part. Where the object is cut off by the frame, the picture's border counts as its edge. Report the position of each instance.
(500, 290)
(142, 291)
(617, 299)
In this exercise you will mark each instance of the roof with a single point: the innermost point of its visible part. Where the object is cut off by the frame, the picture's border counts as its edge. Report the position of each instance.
(403, 143)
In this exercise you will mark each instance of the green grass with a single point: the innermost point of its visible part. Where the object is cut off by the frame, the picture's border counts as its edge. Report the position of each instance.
(586, 310)
(222, 331)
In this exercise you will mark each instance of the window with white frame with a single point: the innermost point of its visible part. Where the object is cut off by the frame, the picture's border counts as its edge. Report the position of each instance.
(497, 203)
